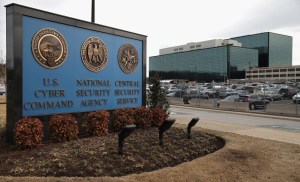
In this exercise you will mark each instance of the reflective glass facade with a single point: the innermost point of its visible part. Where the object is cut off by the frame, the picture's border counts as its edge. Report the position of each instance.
(204, 64)
(274, 49)
(280, 50)
(241, 59)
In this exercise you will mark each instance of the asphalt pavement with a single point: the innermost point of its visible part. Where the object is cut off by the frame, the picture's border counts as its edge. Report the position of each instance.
(270, 132)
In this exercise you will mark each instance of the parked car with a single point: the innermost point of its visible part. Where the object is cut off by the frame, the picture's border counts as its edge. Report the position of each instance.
(255, 101)
(172, 89)
(226, 92)
(296, 98)
(210, 92)
(2, 91)
(231, 98)
(271, 95)
(242, 92)
(195, 94)
(287, 92)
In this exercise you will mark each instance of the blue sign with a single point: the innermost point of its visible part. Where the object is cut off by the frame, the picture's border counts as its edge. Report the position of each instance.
(68, 85)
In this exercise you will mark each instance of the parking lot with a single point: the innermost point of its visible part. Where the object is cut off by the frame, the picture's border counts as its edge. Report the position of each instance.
(268, 98)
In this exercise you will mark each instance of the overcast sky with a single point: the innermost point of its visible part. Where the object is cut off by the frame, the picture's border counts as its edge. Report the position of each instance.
(175, 22)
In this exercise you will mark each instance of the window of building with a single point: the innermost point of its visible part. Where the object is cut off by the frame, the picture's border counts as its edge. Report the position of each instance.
(176, 49)
(262, 76)
(276, 70)
(291, 75)
(180, 49)
(282, 70)
(255, 71)
(192, 47)
(276, 75)
(268, 75)
(291, 69)
(297, 69)
(282, 75)
(262, 71)
(198, 45)
(255, 76)
(248, 71)
(269, 71)
(297, 74)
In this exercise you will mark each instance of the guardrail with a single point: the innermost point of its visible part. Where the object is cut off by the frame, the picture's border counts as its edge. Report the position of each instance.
(238, 106)
(283, 109)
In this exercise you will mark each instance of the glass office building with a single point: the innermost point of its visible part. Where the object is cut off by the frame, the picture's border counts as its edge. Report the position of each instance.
(204, 65)
(225, 60)
(274, 49)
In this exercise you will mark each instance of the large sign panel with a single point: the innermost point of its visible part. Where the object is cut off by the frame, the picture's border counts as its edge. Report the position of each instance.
(69, 69)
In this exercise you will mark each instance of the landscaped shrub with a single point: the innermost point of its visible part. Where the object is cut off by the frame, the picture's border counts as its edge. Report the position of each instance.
(28, 132)
(158, 116)
(122, 117)
(96, 123)
(63, 127)
(143, 117)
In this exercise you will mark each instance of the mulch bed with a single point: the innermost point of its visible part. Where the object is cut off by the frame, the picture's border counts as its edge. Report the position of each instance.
(98, 156)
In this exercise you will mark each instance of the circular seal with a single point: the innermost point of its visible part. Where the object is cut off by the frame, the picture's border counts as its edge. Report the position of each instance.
(94, 54)
(49, 48)
(128, 58)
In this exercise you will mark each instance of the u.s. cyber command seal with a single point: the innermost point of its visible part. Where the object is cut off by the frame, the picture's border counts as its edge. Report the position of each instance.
(128, 58)
(49, 48)
(94, 54)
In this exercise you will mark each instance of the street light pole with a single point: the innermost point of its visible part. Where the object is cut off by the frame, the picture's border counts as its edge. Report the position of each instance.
(228, 63)
(195, 73)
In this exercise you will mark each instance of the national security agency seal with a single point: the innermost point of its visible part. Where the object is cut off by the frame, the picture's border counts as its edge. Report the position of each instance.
(128, 58)
(94, 54)
(49, 48)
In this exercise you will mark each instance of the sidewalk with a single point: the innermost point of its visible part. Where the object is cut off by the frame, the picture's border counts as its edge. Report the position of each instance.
(259, 132)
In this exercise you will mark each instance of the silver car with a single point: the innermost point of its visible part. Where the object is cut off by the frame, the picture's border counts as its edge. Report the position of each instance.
(296, 98)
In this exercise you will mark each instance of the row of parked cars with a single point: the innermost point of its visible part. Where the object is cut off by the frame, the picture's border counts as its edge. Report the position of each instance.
(258, 96)
(254, 100)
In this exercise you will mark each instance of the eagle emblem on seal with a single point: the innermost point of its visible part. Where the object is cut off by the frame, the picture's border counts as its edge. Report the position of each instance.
(94, 54)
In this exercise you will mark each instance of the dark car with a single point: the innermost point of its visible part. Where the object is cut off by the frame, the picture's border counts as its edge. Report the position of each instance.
(271, 95)
(288, 92)
(195, 94)
(255, 101)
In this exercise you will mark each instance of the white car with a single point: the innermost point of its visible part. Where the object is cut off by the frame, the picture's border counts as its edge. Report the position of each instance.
(296, 98)
(2, 91)
(172, 89)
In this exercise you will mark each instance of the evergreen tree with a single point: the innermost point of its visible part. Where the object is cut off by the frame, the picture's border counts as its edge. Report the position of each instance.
(157, 96)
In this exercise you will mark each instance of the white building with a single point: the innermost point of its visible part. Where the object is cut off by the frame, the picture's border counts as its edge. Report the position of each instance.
(199, 45)
(288, 73)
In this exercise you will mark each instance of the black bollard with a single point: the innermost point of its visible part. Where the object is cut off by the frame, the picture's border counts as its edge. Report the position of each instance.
(164, 127)
(125, 132)
(190, 125)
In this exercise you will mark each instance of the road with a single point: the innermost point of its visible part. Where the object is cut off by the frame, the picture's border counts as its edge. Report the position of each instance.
(285, 129)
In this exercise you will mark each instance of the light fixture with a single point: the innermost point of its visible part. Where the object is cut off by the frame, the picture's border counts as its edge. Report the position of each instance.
(125, 132)
(164, 127)
(190, 125)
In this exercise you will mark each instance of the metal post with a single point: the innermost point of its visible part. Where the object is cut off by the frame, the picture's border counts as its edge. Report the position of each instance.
(228, 63)
(195, 74)
(93, 11)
